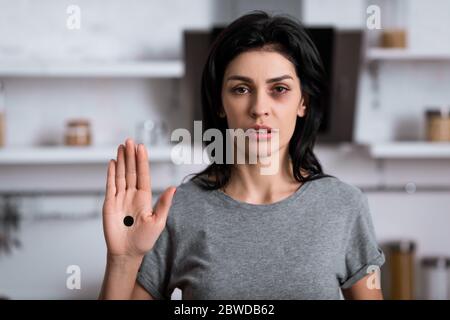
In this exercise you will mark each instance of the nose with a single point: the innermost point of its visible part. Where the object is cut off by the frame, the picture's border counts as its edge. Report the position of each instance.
(260, 106)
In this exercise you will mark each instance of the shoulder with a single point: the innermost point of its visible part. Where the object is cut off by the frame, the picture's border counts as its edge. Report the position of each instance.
(188, 199)
(336, 188)
(339, 196)
(189, 191)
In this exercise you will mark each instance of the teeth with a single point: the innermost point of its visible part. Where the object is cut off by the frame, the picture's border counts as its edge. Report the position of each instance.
(261, 131)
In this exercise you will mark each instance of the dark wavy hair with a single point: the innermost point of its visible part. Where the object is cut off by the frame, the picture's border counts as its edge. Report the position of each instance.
(283, 34)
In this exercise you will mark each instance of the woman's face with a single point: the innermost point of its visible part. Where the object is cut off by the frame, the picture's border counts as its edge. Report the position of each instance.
(262, 88)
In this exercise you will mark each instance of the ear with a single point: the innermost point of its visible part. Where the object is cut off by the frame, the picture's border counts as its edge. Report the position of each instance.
(221, 114)
(301, 111)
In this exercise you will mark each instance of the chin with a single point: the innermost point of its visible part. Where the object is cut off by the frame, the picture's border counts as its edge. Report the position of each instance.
(260, 150)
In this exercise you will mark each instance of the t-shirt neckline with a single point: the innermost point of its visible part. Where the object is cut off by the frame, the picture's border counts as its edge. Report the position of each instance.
(263, 207)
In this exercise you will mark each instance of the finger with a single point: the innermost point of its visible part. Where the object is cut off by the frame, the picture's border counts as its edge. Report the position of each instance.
(120, 170)
(111, 180)
(130, 164)
(163, 205)
(143, 171)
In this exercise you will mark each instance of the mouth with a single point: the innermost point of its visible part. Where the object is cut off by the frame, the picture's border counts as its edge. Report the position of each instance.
(260, 132)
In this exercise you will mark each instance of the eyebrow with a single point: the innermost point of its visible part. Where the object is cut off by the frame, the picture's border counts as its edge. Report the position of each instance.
(247, 79)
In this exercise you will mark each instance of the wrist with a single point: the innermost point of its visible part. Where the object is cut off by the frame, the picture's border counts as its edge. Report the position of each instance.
(123, 261)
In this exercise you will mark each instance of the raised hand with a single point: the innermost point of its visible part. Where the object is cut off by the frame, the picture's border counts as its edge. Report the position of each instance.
(128, 193)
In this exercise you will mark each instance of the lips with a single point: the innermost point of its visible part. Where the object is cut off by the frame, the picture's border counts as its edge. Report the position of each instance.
(260, 132)
(262, 128)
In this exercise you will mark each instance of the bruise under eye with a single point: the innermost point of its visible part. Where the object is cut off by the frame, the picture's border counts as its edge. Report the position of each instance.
(240, 90)
(281, 89)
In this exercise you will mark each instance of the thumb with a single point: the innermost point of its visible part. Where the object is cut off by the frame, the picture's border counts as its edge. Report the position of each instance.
(163, 205)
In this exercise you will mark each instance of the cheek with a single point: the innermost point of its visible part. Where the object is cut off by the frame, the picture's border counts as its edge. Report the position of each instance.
(287, 118)
(287, 128)
(235, 108)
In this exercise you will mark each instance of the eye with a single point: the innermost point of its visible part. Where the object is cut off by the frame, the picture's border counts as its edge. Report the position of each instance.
(240, 90)
(281, 89)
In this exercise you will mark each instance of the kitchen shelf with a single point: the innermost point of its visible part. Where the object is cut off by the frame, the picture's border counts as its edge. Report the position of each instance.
(379, 54)
(411, 150)
(72, 155)
(98, 155)
(138, 69)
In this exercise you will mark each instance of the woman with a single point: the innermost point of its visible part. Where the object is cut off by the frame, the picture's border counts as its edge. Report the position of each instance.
(232, 231)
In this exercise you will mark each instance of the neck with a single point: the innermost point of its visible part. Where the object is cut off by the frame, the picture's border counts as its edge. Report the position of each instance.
(248, 184)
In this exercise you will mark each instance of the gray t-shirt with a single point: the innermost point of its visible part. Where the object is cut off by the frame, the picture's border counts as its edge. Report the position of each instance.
(307, 246)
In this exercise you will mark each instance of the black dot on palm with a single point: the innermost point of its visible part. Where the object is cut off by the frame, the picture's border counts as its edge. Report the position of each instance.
(128, 221)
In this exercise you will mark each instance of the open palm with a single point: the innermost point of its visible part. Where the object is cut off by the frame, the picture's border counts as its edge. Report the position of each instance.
(128, 193)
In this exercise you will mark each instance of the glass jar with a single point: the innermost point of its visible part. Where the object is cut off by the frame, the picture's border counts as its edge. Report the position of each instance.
(434, 278)
(438, 124)
(394, 23)
(152, 133)
(401, 256)
(78, 132)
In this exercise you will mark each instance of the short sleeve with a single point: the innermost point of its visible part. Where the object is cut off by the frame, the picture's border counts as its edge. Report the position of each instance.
(155, 269)
(362, 251)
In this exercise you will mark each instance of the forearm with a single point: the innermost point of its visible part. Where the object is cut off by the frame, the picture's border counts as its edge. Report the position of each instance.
(361, 291)
(120, 277)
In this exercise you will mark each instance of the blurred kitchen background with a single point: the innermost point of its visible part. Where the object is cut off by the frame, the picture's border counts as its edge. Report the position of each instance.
(78, 77)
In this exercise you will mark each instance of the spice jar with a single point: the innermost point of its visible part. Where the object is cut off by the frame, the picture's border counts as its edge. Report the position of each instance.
(438, 124)
(394, 32)
(401, 267)
(434, 278)
(78, 132)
